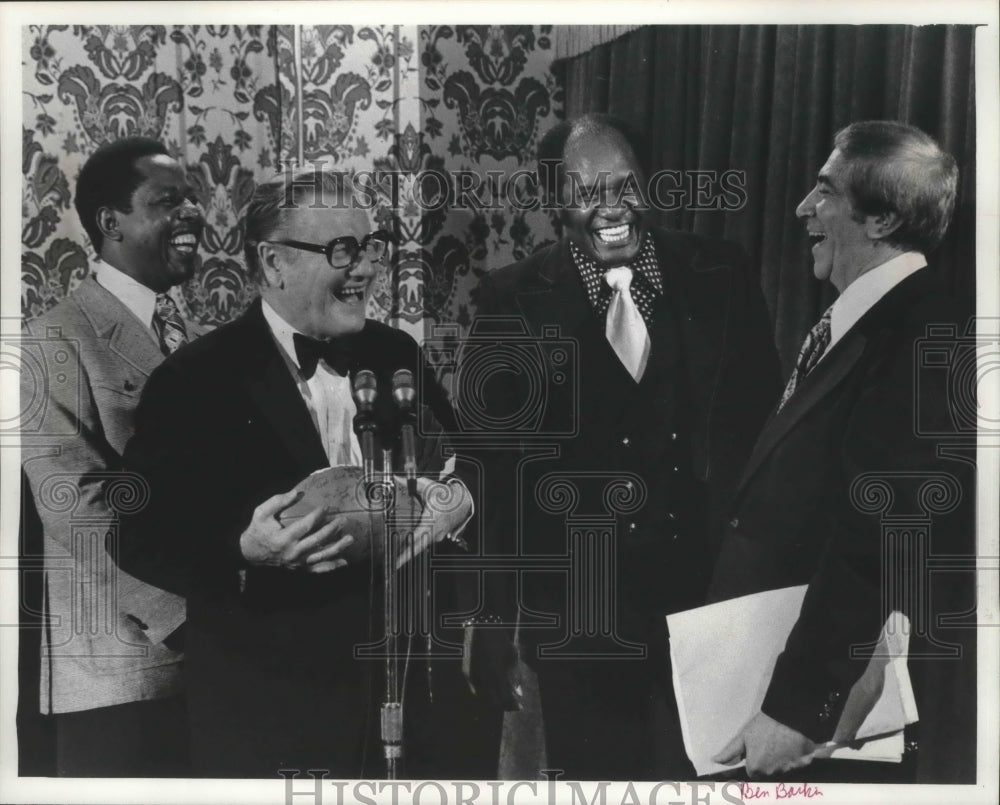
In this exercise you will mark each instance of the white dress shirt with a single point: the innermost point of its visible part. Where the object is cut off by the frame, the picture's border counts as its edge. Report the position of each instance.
(328, 397)
(862, 295)
(139, 299)
(326, 394)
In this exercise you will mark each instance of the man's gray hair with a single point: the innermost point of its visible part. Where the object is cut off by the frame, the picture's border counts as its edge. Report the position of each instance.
(891, 167)
(285, 191)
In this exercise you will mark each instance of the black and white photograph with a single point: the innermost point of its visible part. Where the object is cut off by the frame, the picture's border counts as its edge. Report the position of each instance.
(469, 402)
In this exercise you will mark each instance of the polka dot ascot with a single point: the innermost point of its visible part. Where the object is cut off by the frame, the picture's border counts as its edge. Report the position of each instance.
(647, 283)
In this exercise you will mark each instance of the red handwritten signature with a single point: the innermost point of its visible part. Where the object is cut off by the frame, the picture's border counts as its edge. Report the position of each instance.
(751, 791)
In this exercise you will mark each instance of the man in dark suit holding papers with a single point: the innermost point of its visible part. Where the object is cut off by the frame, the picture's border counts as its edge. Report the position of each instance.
(226, 431)
(847, 489)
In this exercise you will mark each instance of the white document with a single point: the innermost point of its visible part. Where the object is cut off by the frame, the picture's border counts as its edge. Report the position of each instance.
(723, 656)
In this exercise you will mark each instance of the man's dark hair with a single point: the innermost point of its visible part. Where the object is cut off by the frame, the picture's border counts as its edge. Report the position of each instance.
(109, 178)
(552, 146)
(891, 167)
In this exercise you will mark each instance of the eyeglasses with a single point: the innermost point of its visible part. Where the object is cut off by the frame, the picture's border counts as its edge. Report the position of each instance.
(343, 252)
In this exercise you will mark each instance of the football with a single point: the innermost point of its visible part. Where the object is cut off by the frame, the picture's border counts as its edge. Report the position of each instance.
(368, 508)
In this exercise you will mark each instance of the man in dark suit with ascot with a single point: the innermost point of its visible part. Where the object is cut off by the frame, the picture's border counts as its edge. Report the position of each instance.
(853, 447)
(674, 373)
(223, 435)
(110, 658)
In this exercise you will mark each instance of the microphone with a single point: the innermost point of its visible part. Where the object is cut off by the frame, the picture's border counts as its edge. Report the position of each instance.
(405, 395)
(365, 390)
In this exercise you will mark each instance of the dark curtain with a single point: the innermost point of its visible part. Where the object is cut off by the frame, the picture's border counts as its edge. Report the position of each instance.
(767, 100)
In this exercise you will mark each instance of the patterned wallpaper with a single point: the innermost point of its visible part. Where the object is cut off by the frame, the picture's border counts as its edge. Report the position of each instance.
(350, 84)
(406, 101)
(489, 94)
(194, 89)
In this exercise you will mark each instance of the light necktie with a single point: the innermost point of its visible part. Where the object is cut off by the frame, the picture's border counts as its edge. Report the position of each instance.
(168, 324)
(624, 327)
(812, 350)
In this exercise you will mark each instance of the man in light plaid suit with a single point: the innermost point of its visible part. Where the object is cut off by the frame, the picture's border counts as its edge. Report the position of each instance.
(110, 659)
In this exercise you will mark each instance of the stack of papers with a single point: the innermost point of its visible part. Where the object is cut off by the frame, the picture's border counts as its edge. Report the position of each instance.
(723, 656)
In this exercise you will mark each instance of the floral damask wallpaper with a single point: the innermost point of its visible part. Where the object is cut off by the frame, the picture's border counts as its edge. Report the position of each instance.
(226, 100)
(351, 81)
(191, 87)
(489, 95)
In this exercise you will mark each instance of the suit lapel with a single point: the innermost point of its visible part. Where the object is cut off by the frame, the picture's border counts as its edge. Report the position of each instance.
(271, 387)
(843, 356)
(827, 375)
(556, 296)
(135, 344)
(128, 338)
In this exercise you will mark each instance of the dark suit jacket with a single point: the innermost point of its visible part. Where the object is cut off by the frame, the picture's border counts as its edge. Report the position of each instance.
(650, 461)
(854, 447)
(711, 336)
(272, 678)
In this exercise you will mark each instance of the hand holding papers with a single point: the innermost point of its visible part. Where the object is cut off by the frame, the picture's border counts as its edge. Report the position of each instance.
(723, 656)
(767, 747)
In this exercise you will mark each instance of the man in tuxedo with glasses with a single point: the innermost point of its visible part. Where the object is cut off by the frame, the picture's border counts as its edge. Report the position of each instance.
(223, 436)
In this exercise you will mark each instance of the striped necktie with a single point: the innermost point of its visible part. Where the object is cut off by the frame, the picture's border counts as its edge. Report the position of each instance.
(812, 350)
(168, 324)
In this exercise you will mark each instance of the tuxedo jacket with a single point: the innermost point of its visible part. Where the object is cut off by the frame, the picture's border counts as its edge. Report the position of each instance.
(271, 672)
(85, 363)
(679, 434)
(847, 490)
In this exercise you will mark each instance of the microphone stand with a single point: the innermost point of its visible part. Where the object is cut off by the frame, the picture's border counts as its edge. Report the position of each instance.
(392, 705)
(404, 395)
(380, 491)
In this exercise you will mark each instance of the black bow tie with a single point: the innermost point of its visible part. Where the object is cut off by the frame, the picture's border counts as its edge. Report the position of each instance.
(308, 351)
